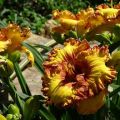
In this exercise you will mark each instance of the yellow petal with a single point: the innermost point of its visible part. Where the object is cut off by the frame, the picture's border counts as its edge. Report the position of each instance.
(63, 14)
(15, 35)
(2, 117)
(76, 73)
(108, 12)
(29, 55)
(4, 45)
(92, 104)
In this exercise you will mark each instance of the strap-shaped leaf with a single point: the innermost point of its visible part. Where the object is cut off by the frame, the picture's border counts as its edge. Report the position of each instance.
(113, 46)
(116, 89)
(13, 92)
(46, 48)
(45, 114)
(21, 79)
(66, 116)
(31, 107)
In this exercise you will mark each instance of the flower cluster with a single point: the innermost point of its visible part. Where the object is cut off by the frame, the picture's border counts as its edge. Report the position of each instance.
(12, 36)
(77, 75)
(102, 18)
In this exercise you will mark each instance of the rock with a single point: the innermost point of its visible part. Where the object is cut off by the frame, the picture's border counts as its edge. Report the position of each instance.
(47, 29)
(31, 74)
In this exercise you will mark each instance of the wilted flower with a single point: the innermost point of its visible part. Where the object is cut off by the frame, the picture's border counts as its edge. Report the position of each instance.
(86, 20)
(77, 75)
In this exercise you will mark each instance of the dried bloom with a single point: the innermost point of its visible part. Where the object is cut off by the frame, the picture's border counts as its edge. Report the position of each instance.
(12, 36)
(77, 74)
(86, 20)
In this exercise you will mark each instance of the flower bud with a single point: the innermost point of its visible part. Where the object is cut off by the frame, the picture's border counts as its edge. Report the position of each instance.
(14, 56)
(9, 117)
(13, 109)
(115, 61)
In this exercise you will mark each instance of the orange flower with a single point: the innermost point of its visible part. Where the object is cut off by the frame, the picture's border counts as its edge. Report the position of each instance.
(89, 19)
(77, 73)
(66, 19)
(12, 36)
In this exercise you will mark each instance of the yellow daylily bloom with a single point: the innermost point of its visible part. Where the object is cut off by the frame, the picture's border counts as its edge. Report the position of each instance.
(89, 19)
(12, 36)
(76, 74)
(86, 107)
(66, 18)
(108, 12)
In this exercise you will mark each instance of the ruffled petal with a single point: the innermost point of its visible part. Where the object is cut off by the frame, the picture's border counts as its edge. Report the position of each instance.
(15, 35)
(92, 104)
(77, 73)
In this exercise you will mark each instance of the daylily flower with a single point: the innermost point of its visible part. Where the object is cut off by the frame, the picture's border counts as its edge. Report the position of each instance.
(87, 20)
(66, 19)
(13, 35)
(11, 38)
(77, 75)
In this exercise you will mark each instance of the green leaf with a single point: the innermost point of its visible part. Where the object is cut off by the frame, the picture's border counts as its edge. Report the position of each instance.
(113, 46)
(38, 56)
(58, 37)
(21, 79)
(116, 89)
(115, 110)
(31, 107)
(22, 95)
(104, 38)
(19, 102)
(46, 48)
(66, 116)
(45, 114)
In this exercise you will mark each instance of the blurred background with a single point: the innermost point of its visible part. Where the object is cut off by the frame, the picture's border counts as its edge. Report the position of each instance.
(34, 13)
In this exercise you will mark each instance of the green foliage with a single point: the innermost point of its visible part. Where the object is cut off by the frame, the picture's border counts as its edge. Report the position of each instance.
(22, 81)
